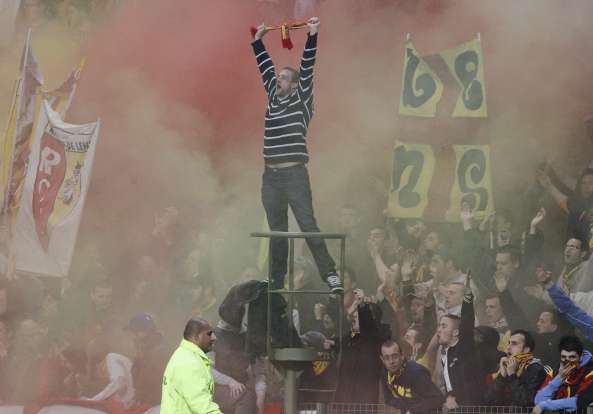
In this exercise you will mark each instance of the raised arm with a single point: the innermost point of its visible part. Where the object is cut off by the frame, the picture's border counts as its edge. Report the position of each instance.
(466, 325)
(264, 61)
(559, 197)
(305, 88)
(534, 240)
(575, 315)
(511, 310)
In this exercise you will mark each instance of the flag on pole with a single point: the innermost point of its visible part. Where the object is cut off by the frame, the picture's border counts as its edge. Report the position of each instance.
(54, 194)
(17, 142)
(61, 97)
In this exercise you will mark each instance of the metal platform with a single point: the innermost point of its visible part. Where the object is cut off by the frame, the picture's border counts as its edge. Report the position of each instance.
(293, 360)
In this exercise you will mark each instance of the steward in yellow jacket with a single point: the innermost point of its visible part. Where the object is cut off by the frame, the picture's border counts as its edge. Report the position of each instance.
(188, 387)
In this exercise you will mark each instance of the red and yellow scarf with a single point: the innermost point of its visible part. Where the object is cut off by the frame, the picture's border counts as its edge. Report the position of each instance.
(523, 361)
(285, 29)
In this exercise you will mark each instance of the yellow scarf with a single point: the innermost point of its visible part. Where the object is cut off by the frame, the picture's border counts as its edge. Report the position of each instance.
(398, 391)
(523, 361)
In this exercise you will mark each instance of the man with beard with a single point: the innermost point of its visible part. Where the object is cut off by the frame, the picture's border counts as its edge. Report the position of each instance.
(188, 387)
(285, 181)
(519, 374)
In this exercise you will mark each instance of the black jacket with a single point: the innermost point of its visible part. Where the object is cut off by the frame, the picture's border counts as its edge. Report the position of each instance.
(360, 368)
(412, 391)
(465, 368)
(517, 391)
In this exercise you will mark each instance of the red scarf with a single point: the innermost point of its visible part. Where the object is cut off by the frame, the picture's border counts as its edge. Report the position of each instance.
(574, 385)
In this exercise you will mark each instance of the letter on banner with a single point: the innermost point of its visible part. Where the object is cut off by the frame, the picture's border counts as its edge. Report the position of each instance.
(413, 168)
(421, 88)
(472, 183)
(466, 64)
(54, 192)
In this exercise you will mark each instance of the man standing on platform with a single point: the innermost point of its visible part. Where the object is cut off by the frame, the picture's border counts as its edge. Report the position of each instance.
(286, 179)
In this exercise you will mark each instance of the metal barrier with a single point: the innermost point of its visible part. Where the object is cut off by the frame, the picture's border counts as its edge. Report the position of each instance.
(481, 409)
(293, 360)
(484, 409)
(344, 408)
(358, 408)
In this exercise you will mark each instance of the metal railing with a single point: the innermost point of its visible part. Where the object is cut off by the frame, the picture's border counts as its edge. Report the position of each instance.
(291, 236)
(288, 358)
(343, 408)
(361, 408)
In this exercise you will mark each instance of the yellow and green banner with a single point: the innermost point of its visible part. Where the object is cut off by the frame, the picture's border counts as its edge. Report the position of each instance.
(421, 88)
(466, 64)
(413, 168)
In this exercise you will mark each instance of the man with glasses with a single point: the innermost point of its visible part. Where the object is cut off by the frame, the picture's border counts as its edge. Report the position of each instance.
(572, 388)
(407, 385)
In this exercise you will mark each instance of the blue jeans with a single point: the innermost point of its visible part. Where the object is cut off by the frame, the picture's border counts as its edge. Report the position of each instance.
(290, 186)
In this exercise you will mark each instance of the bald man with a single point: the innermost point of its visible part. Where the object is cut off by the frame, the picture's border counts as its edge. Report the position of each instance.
(188, 387)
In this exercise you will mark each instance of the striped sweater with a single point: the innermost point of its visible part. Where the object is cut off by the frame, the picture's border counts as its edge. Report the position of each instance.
(287, 118)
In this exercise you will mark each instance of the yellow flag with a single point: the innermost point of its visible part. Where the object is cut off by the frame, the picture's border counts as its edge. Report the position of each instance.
(472, 183)
(61, 97)
(21, 125)
(421, 88)
(7, 148)
(466, 64)
(413, 168)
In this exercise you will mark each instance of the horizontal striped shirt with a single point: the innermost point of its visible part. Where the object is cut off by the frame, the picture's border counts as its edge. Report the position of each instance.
(287, 118)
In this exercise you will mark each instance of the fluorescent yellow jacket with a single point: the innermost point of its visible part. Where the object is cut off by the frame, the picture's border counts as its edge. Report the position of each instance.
(188, 387)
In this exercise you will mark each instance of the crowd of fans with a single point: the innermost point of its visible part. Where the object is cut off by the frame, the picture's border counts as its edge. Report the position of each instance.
(476, 313)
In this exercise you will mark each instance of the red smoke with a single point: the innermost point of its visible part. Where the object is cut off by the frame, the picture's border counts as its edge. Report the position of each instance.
(196, 53)
(537, 65)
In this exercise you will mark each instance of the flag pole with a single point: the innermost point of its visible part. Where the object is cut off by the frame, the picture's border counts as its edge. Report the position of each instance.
(11, 114)
(19, 95)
